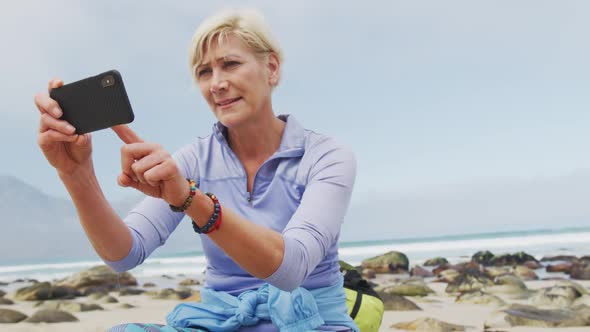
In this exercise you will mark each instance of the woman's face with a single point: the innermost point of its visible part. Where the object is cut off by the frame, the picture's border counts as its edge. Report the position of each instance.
(236, 85)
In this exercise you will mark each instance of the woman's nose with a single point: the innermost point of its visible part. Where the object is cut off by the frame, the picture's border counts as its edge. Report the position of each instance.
(218, 83)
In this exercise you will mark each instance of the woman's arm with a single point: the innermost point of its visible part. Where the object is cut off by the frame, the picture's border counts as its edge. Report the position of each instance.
(285, 260)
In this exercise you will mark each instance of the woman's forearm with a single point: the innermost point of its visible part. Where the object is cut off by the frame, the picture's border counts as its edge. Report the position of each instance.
(257, 249)
(107, 232)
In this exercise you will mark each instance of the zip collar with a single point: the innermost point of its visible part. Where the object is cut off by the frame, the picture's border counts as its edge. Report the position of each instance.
(292, 141)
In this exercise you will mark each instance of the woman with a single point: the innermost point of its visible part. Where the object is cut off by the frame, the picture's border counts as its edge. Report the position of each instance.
(271, 228)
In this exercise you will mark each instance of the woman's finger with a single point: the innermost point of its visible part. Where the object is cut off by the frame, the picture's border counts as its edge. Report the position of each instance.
(126, 134)
(49, 122)
(45, 104)
(130, 153)
(146, 163)
(54, 83)
(161, 172)
(51, 136)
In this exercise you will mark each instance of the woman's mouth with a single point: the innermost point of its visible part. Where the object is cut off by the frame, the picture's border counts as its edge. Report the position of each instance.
(226, 103)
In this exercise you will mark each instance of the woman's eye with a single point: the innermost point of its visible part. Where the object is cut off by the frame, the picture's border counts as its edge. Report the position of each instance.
(229, 64)
(204, 71)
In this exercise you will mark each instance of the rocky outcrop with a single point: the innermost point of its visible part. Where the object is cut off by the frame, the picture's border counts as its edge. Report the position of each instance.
(479, 297)
(45, 291)
(8, 316)
(525, 315)
(429, 324)
(436, 261)
(391, 262)
(99, 276)
(51, 316)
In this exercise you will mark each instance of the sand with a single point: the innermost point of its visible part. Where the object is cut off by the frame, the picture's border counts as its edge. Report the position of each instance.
(439, 306)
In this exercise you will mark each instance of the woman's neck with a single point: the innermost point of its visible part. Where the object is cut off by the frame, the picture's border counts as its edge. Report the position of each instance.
(257, 140)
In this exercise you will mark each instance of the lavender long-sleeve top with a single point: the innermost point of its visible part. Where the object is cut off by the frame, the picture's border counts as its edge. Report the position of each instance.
(302, 191)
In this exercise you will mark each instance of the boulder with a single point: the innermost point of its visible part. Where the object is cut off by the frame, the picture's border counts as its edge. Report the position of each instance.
(2, 293)
(448, 276)
(479, 297)
(406, 288)
(189, 282)
(79, 307)
(469, 281)
(397, 303)
(101, 276)
(51, 316)
(418, 271)
(575, 285)
(195, 297)
(533, 265)
(107, 299)
(563, 258)
(170, 294)
(391, 262)
(495, 271)
(437, 261)
(560, 267)
(126, 306)
(428, 324)
(482, 257)
(149, 285)
(130, 291)
(508, 285)
(8, 316)
(525, 315)
(4, 301)
(524, 273)
(580, 272)
(345, 266)
(45, 291)
(518, 258)
(443, 267)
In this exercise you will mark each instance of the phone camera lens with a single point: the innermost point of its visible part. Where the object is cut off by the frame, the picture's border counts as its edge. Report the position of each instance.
(107, 81)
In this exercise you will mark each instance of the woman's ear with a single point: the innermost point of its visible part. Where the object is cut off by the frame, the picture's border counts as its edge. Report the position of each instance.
(274, 69)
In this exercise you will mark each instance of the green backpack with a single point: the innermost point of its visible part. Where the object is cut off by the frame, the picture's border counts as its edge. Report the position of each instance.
(365, 306)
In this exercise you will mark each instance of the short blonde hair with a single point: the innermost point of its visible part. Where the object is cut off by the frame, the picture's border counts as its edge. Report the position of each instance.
(248, 25)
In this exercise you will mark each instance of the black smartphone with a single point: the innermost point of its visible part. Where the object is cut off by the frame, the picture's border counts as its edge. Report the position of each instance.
(94, 103)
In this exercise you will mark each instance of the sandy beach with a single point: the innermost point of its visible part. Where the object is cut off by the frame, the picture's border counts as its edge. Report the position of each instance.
(146, 309)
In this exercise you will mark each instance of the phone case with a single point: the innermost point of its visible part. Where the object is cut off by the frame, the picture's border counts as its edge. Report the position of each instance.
(94, 103)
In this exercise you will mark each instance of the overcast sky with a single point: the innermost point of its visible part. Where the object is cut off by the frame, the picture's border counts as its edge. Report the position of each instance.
(427, 93)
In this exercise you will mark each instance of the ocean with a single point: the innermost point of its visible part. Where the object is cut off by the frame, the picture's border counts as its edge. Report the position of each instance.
(456, 248)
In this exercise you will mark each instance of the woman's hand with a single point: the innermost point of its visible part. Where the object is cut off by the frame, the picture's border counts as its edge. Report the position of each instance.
(62, 147)
(150, 169)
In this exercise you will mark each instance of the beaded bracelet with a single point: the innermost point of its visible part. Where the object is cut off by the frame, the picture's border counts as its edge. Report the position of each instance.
(215, 220)
(187, 202)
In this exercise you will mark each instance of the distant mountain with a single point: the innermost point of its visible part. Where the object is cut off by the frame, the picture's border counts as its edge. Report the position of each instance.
(40, 227)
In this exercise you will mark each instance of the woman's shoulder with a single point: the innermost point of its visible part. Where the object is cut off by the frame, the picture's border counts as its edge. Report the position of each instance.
(321, 146)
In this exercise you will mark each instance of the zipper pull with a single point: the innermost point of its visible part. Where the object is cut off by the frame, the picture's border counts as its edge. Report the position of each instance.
(249, 196)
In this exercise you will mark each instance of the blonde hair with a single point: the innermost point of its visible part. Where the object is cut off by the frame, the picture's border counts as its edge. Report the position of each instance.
(248, 25)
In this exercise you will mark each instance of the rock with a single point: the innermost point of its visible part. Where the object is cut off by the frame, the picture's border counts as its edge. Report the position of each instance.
(126, 306)
(51, 316)
(512, 259)
(580, 272)
(443, 267)
(3, 283)
(543, 300)
(369, 274)
(78, 307)
(4, 301)
(107, 299)
(149, 285)
(130, 291)
(533, 265)
(469, 281)
(2, 293)
(524, 273)
(189, 282)
(482, 257)
(397, 303)
(102, 276)
(437, 261)
(428, 324)
(448, 276)
(479, 297)
(575, 285)
(391, 262)
(8, 316)
(563, 258)
(406, 288)
(45, 291)
(507, 284)
(96, 290)
(170, 294)
(495, 271)
(418, 271)
(561, 267)
(165, 276)
(563, 294)
(583, 300)
(525, 315)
